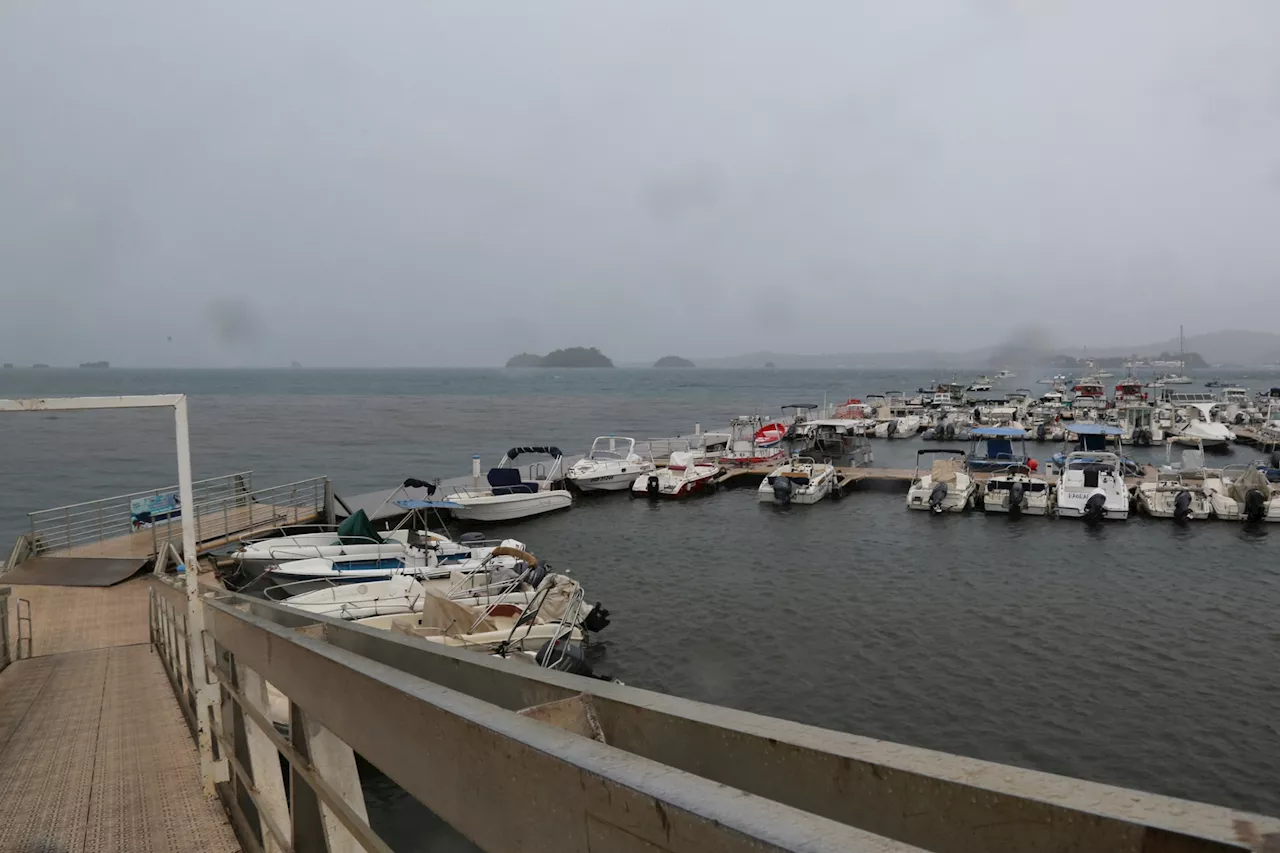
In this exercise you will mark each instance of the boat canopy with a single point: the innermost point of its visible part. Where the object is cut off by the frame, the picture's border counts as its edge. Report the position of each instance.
(999, 432)
(801, 406)
(1094, 429)
(357, 530)
(943, 450)
(549, 451)
(419, 504)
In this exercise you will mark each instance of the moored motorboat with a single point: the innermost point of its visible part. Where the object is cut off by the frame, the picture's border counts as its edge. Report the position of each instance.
(686, 473)
(1178, 492)
(1017, 490)
(946, 487)
(999, 451)
(510, 496)
(1244, 493)
(753, 442)
(611, 465)
(1091, 486)
(799, 480)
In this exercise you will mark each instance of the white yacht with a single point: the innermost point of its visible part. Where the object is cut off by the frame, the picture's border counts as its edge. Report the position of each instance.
(799, 480)
(1196, 428)
(1005, 374)
(1091, 486)
(510, 496)
(612, 465)
(947, 487)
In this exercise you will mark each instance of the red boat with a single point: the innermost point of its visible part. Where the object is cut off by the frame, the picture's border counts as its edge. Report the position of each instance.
(770, 434)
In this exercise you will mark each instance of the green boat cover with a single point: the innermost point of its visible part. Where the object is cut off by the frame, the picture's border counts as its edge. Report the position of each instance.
(358, 530)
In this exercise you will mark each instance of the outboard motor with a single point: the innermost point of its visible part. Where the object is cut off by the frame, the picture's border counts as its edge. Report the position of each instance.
(1255, 505)
(564, 656)
(597, 619)
(890, 428)
(1142, 437)
(470, 538)
(936, 496)
(535, 575)
(1017, 491)
(1095, 509)
(1240, 419)
(1041, 431)
(782, 491)
(1182, 506)
(651, 487)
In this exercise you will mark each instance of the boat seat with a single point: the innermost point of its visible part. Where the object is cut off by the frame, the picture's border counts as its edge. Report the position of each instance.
(506, 481)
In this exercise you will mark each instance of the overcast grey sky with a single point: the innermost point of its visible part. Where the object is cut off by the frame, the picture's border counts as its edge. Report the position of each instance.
(447, 183)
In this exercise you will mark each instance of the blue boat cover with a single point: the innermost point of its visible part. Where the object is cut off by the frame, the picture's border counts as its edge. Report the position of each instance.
(416, 504)
(1007, 432)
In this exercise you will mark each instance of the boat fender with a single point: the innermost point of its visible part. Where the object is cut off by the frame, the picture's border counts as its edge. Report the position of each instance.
(1017, 495)
(1182, 506)
(781, 490)
(597, 619)
(1255, 505)
(936, 496)
(1095, 508)
(652, 486)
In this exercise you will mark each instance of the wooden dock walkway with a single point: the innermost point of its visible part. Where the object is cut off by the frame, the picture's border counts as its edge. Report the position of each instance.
(95, 754)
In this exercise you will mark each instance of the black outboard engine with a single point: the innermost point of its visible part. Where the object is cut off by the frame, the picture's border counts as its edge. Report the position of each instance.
(597, 619)
(1182, 506)
(890, 428)
(782, 489)
(564, 656)
(937, 495)
(469, 538)
(535, 575)
(651, 487)
(1255, 505)
(1142, 437)
(1017, 491)
(1042, 432)
(1240, 418)
(1095, 509)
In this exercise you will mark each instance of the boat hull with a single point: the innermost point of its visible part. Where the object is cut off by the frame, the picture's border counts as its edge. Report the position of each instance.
(510, 507)
(806, 496)
(673, 489)
(618, 482)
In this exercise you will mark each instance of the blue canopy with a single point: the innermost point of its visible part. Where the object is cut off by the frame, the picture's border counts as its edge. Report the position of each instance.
(1094, 429)
(1000, 432)
(415, 504)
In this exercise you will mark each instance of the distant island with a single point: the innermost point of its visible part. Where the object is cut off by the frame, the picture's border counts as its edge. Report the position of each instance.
(295, 365)
(571, 357)
(8, 365)
(41, 366)
(673, 361)
(97, 365)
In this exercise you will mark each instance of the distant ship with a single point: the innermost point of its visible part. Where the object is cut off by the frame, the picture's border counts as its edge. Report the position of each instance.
(42, 366)
(98, 365)
(8, 365)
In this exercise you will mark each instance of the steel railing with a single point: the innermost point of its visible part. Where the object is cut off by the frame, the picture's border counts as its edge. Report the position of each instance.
(65, 527)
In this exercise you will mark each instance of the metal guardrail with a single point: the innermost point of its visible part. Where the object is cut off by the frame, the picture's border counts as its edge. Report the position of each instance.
(106, 518)
(453, 729)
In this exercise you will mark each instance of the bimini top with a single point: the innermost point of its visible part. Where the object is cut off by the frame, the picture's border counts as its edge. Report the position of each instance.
(1094, 429)
(801, 406)
(416, 504)
(550, 451)
(999, 432)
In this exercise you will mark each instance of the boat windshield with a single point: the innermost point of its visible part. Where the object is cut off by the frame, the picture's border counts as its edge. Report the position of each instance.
(611, 447)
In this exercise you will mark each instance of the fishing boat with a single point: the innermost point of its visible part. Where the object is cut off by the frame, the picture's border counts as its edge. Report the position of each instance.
(1244, 493)
(1178, 492)
(754, 443)
(686, 473)
(611, 465)
(1139, 425)
(998, 448)
(510, 496)
(799, 480)
(946, 487)
(1016, 490)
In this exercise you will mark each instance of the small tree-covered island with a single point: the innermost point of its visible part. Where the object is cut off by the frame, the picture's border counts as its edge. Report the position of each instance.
(571, 357)
(673, 361)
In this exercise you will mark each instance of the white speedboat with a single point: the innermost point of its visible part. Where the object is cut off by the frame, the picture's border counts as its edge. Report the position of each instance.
(414, 561)
(947, 487)
(1178, 492)
(1005, 374)
(982, 383)
(1016, 490)
(1243, 493)
(686, 473)
(611, 465)
(1091, 486)
(510, 496)
(799, 480)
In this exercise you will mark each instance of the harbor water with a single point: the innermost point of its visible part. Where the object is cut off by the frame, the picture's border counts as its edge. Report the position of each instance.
(1136, 653)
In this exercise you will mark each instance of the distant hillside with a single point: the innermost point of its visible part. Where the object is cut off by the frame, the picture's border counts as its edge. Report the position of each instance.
(1244, 348)
(571, 357)
(673, 361)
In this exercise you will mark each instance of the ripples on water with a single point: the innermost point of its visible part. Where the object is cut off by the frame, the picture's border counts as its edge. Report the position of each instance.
(1134, 653)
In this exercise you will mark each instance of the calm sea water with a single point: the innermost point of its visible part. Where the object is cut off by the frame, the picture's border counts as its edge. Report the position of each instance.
(1135, 653)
